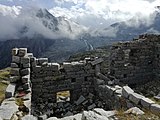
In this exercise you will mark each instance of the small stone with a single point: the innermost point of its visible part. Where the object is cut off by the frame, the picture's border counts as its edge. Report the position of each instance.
(91, 106)
(42, 117)
(135, 111)
(80, 100)
(68, 114)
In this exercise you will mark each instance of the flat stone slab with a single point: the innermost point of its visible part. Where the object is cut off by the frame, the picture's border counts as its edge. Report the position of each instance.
(97, 61)
(135, 98)
(80, 100)
(7, 109)
(91, 106)
(135, 111)
(155, 108)
(10, 90)
(90, 115)
(126, 91)
(146, 102)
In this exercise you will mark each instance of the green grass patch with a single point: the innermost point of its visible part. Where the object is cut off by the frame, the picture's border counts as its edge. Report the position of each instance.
(4, 74)
(147, 116)
(3, 87)
(155, 100)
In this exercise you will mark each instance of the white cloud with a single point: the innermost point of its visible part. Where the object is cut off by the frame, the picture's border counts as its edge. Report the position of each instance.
(11, 11)
(14, 18)
(105, 11)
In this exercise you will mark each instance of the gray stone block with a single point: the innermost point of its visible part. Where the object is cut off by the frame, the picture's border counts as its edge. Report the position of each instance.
(14, 71)
(129, 104)
(24, 60)
(42, 117)
(14, 51)
(80, 100)
(22, 52)
(30, 55)
(14, 65)
(55, 66)
(15, 59)
(10, 90)
(13, 79)
(97, 61)
(26, 86)
(25, 71)
(42, 60)
(126, 91)
(155, 108)
(26, 79)
(135, 98)
(91, 106)
(28, 65)
(146, 102)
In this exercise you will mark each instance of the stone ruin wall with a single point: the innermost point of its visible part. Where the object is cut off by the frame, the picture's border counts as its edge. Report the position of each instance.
(50, 78)
(131, 62)
(136, 61)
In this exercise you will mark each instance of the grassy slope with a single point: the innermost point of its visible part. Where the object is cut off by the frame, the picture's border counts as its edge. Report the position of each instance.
(4, 75)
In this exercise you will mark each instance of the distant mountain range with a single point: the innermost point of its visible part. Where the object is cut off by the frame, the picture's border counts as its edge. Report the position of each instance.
(58, 38)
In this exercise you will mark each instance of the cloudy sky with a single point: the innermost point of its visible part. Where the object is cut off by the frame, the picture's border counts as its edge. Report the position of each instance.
(92, 13)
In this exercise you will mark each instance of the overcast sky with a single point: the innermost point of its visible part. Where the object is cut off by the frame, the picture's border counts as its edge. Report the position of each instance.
(92, 13)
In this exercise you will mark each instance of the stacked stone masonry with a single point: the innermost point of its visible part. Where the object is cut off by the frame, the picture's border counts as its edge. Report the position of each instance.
(89, 86)
(136, 61)
(20, 73)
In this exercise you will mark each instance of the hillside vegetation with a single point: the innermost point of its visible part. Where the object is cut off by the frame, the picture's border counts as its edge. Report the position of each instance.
(4, 76)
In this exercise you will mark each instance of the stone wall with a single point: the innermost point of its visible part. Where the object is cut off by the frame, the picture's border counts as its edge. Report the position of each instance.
(136, 61)
(50, 78)
(90, 82)
(117, 97)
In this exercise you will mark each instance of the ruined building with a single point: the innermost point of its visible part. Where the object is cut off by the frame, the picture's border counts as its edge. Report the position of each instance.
(87, 84)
